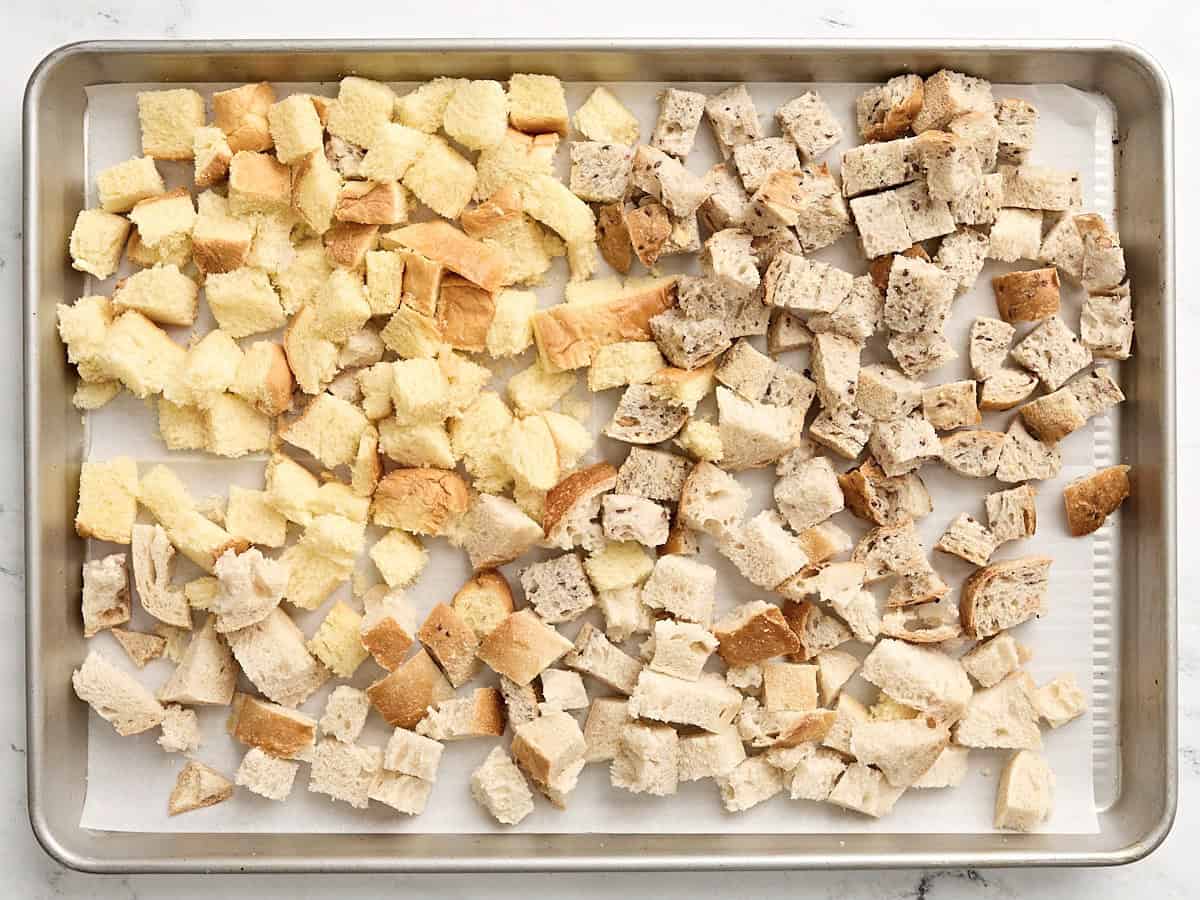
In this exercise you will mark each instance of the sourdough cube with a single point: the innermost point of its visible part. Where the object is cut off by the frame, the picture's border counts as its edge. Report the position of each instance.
(789, 686)
(967, 539)
(345, 713)
(705, 755)
(707, 703)
(244, 302)
(679, 116)
(600, 172)
(810, 123)
(904, 445)
(123, 186)
(168, 121)
(1026, 792)
(412, 754)
(881, 224)
(729, 256)
(500, 788)
(752, 782)
(1052, 353)
(754, 434)
(562, 691)
(266, 775)
(345, 772)
(558, 589)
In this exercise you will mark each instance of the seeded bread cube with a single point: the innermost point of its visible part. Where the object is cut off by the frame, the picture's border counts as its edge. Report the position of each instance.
(1025, 458)
(679, 116)
(835, 367)
(807, 199)
(843, 429)
(872, 167)
(951, 164)
(1016, 234)
(1052, 352)
(919, 296)
(981, 202)
(924, 216)
(557, 588)
(881, 224)
(904, 445)
(885, 394)
(1106, 325)
(600, 172)
(808, 121)
(756, 159)
(981, 132)
(951, 405)
(961, 256)
(967, 539)
(1017, 120)
(950, 94)
(733, 118)
(887, 110)
(1040, 187)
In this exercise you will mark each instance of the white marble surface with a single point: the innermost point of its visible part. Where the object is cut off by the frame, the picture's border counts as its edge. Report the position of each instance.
(31, 29)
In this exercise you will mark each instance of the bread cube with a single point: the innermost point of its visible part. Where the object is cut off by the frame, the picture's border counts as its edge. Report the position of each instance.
(266, 775)
(295, 128)
(1016, 120)
(1024, 797)
(789, 686)
(244, 302)
(522, 646)
(807, 199)
(369, 203)
(951, 405)
(477, 114)
(603, 117)
(168, 121)
(755, 632)
(107, 500)
(707, 703)
(981, 202)
(403, 696)
(881, 224)
(809, 495)
(678, 120)
(904, 445)
(967, 539)
(1052, 353)
(950, 94)
(500, 788)
(808, 121)
(124, 185)
(647, 760)
(1106, 324)
(1016, 234)
(345, 772)
(961, 256)
(96, 242)
(441, 179)
(423, 108)
(258, 183)
(752, 782)
(733, 118)
(681, 649)
(887, 111)
(980, 132)
(755, 160)
(399, 557)
(361, 107)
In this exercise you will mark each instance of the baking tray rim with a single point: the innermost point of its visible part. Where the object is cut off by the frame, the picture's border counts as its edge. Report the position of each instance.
(58, 846)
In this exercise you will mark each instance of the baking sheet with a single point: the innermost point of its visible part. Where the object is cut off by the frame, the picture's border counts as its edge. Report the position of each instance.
(1074, 131)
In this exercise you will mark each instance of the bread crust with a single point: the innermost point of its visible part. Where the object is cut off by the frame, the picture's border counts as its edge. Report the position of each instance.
(450, 641)
(899, 118)
(423, 501)
(576, 487)
(1052, 417)
(475, 261)
(1091, 499)
(976, 585)
(242, 114)
(765, 635)
(812, 725)
(259, 724)
(648, 228)
(403, 696)
(464, 313)
(370, 203)
(613, 237)
(569, 334)
(347, 243)
(1027, 296)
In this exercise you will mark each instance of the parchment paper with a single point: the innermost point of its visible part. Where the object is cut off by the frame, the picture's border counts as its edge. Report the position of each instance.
(129, 778)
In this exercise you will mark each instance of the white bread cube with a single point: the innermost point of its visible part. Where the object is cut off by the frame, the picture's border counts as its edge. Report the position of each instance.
(763, 550)
(709, 755)
(168, 121)
(903, 749)
(594, 655)
(273, 656)
(548, 746)
(500, 788)
(707, 703)
(441, 178)
(402, 793)
(164, 218)
(345, 772)
(754, 434)
(815, 774)
(197, 787)
(244, 302)
(603, 117)
(682, 587)
(712, 501)
(206, 674)
(647, 760)
(753, 781)
(235, 428)
(108, 493)
(1025, 796)
(606, 720)
(834, 669)
(105, 601)
(423, 108)
(399, 557)
(481, 714)
(116, 696)
(562, 691)
(949, 770)
(295, 128)
(924, 679)
(314, 191)
(266, 775)
(864, 790)
(1060, 701)
(409, 753)
(1002, 716)
(211, 154)
(681, 649)
(477, 114)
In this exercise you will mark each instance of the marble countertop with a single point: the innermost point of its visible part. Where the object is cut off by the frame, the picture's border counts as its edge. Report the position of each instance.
(33, 28)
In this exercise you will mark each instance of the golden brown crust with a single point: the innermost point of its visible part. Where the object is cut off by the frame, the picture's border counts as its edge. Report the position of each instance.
(648, 228)
(422, 282)
(490, 717)
(981, 579)
(880, 268)
(464, 314)
(1091, 499)
(578, 485)
(504, 205)
(423, 501)
(818, 545)
(484, 601)
(370, 203)
(569, 334)
(1027, 296)
(347, 243)
(451, 642)
(387, 641)
(473, 260)
(242, 114)
(522, 646)
(1051, 417)
(612, 237)
(260, 175)
(259, 724)
(217, 253)
(276, 395)
(765, 635)
(899, 119)
(681, 540)
(403, 696)
(814, 725)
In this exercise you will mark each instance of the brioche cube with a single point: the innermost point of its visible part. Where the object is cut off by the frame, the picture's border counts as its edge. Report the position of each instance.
(361, 107)
(168, 121)
(423, 108)
(341, 306)
(537, 104)
(511, 330)
(295, 128)
(124, 185)
(235, 428)
(244, 302)
(477, 114)
(399, 557)
(96, 242)
(141, 355)
(329, 429)
(392, 152)
(258, 183)
(163, 218)
(441, 179)
(252, 518)
(314, 191)
(108, 494)
(603, 117)
(241, 113)
(212, 155)
(336, 642)
(162, 294)
(264, 378)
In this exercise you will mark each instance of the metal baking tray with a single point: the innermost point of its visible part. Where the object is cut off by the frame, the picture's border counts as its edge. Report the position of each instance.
(1144, 680)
